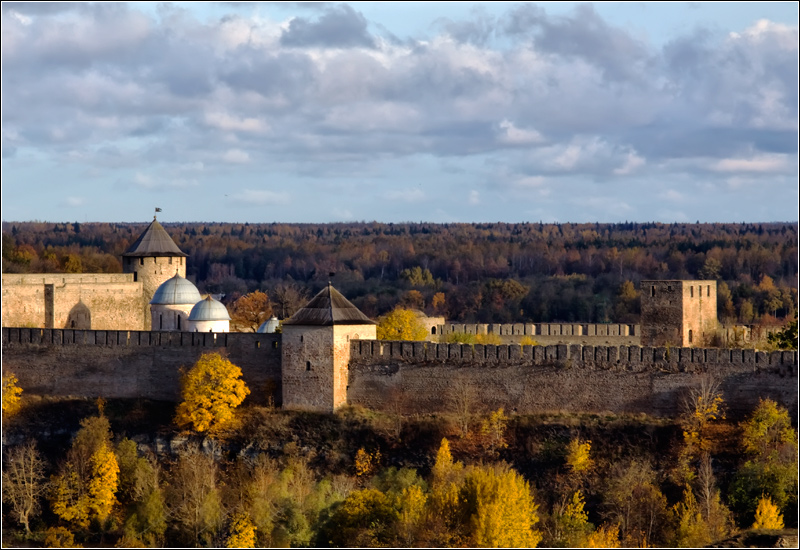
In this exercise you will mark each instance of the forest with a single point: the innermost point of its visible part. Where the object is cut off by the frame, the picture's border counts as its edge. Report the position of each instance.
(211, 473)
(488, 272)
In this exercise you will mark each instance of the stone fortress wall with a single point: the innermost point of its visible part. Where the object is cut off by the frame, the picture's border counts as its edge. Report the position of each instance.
(424, 377)
(549, 333)
(69, 300)
(414, 377)
(133, 364)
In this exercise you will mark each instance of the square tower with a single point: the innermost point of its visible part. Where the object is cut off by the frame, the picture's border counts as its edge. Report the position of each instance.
(678, 313)
(315, 347)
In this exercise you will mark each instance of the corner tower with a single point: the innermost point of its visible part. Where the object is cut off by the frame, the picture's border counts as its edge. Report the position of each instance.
(316, 351)
(153, 259)
(678, 313)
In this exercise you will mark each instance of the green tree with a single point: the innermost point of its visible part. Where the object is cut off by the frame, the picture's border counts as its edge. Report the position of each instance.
(401, 324)
(785, 338)
(366, 518)
(770, 445)
(211, 390)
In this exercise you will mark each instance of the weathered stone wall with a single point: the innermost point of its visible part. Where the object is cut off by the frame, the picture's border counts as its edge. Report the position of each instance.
(662, 313)
(411, 376)
(83, 301)
(132, 364)
(421, 377)
(551, 333)
(307, 368)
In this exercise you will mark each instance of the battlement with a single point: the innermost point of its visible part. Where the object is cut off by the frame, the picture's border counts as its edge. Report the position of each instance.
(269, 343)
(626, 357)
(540, 329)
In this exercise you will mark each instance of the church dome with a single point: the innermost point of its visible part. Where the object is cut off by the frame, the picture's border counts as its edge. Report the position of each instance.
(269, 326)
(209, 310)
(176, 290)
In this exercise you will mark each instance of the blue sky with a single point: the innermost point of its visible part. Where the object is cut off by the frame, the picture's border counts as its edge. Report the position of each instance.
(430, 111)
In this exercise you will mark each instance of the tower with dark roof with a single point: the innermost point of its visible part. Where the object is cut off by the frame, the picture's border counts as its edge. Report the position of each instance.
(153, 259)
(316, 351)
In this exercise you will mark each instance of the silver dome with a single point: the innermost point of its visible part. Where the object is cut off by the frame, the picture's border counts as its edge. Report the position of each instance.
(209, 310)
(269, 325)
(176, 290)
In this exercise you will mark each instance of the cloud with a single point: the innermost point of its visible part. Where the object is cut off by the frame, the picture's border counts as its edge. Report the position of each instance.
(511, 135)
(527, 99)
(474, 197)
(338, 27)
(764, 163)
(230, 123)
(236, 156)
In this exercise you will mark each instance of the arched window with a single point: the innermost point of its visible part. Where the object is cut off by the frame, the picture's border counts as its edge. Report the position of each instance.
(433, 330)
(690, 336)
(691, 292)
(308, 365)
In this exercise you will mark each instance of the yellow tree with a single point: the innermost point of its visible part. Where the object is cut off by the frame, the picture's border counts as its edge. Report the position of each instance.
(243, 532)
(211, 391)
(768, 515)
(11, 393)
(103, 483)
(500, 508)
(401, 324)
(85, 488)
(578, 458)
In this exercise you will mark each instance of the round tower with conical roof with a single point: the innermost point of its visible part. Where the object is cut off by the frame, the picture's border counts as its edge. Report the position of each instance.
(315, 351)
(153, 259)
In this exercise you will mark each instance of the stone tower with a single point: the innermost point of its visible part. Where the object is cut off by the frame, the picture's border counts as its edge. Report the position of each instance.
(678, 313)
(153, 259)
(316, 351)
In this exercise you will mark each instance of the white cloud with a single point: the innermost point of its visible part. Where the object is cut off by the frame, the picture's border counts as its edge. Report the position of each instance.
(632, 163)
(764, 163)
(230, 123)
(512, 135)
(474, 197)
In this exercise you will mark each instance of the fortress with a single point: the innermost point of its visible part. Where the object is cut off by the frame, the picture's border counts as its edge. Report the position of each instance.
(90, 336)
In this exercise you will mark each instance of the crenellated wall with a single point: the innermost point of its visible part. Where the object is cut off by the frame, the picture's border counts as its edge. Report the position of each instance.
(423, 377)
(131, 364)
(550, 333)
(415, 377)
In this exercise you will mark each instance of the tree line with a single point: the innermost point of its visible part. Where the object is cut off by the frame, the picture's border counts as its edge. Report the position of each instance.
(470, 477)
(489, 273)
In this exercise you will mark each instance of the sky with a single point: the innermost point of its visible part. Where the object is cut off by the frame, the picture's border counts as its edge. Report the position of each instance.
(400, 112)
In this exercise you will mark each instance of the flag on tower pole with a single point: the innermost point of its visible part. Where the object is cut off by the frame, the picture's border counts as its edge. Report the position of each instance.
(158, 209)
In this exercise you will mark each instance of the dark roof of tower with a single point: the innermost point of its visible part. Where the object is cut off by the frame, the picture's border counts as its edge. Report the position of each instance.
(328, 308)
(155, 241)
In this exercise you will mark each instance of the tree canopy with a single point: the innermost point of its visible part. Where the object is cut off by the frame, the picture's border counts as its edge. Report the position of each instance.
(211, 390)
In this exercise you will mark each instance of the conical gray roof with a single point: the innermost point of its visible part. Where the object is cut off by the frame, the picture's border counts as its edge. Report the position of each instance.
(155, 241)
(328, 308)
